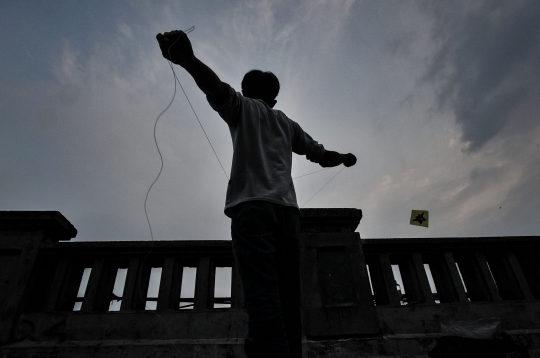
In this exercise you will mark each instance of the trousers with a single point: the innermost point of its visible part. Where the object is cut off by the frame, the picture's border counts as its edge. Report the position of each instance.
(265, 239)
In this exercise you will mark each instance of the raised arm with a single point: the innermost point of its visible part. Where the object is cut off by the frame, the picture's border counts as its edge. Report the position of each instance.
(176, 47)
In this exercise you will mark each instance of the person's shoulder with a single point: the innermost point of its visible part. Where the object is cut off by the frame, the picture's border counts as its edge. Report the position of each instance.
(284, 117)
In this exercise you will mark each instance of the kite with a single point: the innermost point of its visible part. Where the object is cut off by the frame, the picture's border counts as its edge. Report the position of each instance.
(420, 218)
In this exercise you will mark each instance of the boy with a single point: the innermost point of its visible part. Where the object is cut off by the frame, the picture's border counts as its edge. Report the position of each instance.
(261, 200)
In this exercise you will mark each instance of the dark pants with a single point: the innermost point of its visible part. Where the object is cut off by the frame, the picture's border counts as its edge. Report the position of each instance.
(265, 246)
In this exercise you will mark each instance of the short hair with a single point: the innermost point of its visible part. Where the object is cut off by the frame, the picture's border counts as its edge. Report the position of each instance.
(259, 84)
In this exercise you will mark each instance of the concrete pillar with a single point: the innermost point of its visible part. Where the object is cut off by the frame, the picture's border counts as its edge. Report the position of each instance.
(21, 235)
(336, 296)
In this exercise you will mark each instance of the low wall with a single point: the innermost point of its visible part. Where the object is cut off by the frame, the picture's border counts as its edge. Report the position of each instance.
(352, 305)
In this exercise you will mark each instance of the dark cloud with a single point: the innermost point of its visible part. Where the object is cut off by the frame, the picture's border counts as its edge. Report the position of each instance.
(487, 63)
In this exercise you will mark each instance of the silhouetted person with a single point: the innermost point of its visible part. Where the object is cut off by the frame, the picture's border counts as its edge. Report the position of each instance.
(261, 200)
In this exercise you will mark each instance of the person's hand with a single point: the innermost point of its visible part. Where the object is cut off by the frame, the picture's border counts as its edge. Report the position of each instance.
(176, 47)
(349, 159)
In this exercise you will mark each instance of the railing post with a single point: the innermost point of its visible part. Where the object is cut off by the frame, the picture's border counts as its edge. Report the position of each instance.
(100, 286)
(520, 277)
(170, 285)
(446, 278)
(382, 280)
(488, 278)
(477, 277)
(131, 290)
(530, 262)
(411, 271)
(70, 286)
(421, 276)
(456, 279)
(336, 297)
(503, 276)
(23, 232)
(204, 284)
(56, 285)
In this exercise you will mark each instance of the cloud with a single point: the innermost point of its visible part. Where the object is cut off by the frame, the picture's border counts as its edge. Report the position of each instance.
(273, 34)
(487, 63)
(77, 128)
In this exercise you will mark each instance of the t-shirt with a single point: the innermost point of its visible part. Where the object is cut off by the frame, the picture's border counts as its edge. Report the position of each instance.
(263, 142)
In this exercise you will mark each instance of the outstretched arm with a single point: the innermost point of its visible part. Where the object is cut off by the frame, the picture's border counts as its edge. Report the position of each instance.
(315, 152)
(176, 47)
(333, 159)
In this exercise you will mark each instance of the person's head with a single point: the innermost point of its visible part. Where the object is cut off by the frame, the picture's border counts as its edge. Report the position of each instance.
(261, 85)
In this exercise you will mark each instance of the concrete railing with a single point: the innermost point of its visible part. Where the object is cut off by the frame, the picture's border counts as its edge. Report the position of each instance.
(45, 309)
(493, 269)
(453, 279)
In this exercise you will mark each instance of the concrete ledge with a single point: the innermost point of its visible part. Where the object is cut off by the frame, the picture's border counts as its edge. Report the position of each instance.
(55, 226)
(330, 220)
(417, 347)
(178, 348)
(515, 315)
(132, 326)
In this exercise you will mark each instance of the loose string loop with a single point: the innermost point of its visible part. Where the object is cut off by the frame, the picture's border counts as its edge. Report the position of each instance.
(143, 298)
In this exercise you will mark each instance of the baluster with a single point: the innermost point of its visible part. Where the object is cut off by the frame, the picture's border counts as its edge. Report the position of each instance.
(56, 285)
(520, 277)
(421, 275)
(446, 278)
(415, 279)
(70, 285)
(530, 262)
(456, 278)
(141, 285)
(477, 278)
(170, 285)
(92, 288)
(504, 277)
(488, 278)
(136, 286)
(382, 280)
(106, 285)
(204, 284)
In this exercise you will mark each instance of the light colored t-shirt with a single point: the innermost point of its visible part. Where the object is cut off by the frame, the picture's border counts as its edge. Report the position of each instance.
(263, 142)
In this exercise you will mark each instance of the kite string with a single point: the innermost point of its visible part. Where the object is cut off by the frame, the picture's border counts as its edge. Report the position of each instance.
(198, 120)
(143, 299)
(187, 98)
(150, 188)
(323, 186)
(317, 171)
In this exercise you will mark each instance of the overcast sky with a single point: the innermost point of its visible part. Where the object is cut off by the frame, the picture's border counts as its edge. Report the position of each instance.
(439, 100)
